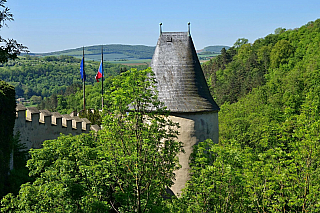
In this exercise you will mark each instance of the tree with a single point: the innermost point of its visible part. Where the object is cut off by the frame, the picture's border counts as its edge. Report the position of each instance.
(35, 99)
(125, 167)
(11, 49)
(240, 42)
(141, 143)
(281, 53)
(217, 181)
(279, 30)
(7, 118)
(71, 174)
(94, 117)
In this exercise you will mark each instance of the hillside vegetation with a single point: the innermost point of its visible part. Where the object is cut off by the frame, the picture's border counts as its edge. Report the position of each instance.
(44, 76)
(268, 157)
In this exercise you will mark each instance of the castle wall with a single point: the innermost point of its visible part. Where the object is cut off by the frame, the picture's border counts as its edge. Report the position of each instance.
(194, 128)
(36, 126)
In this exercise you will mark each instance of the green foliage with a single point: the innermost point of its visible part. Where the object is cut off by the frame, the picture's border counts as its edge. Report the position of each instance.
(20, 173)
(71, 174)
(268, 157)
(72, 99)
(279, 30)
(280, 53)
(125, 167)
(247, 66)
(140, 142)
(7, 118)
(228, 178)
(240, 42)
(93, 116)
(217, 181)
(11, 48)
(33, 76)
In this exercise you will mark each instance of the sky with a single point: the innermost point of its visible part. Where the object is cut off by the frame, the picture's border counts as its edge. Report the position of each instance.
(47, 26)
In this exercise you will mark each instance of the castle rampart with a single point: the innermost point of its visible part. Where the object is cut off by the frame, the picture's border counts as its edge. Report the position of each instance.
(36, 126)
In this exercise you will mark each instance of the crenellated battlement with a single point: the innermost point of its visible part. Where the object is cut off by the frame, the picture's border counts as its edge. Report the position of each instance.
(36, 126)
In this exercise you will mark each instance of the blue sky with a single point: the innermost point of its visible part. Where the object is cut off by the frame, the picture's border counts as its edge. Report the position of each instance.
(45, 26)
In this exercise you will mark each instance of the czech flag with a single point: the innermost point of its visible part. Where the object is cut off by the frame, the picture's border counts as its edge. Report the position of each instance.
(82, 73)
(100, 72)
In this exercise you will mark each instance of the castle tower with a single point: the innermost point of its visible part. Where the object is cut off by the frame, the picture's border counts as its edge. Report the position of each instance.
(183, 89)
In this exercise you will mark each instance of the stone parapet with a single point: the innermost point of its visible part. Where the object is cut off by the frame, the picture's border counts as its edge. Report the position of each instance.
(36, 126)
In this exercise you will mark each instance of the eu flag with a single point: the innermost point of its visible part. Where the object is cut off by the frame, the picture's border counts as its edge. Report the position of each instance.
(82, 73)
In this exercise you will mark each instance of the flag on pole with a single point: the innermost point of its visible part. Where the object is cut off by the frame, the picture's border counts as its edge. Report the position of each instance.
(100, 72)
(82, 73)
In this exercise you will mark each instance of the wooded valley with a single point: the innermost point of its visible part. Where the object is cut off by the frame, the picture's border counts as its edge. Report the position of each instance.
(268, 155)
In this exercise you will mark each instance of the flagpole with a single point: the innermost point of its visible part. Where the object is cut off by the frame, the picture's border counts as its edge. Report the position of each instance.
(102, 75)
(83, 80)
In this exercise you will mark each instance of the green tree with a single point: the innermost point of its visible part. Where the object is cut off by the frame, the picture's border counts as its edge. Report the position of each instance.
(279, 30)
(240, 42)
(35, 99)
(20, 173)
(139, 133)
(7, 119)
(71, 176)
(281, 53)
(11, 48)
(217, 181)
(93, 116)
(125, 167)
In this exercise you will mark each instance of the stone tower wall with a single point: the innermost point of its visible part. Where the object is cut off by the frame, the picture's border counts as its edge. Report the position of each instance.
(194, 128)
(184, 91)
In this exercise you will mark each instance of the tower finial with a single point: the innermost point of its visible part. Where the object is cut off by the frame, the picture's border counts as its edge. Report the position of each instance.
(189, 28)
(160, 28)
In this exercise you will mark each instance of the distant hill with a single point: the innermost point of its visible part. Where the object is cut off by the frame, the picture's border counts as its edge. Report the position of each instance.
(111, 52)
(119, 52)
(213, 49)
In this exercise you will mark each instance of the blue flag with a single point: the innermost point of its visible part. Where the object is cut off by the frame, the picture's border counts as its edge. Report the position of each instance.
(82, 73)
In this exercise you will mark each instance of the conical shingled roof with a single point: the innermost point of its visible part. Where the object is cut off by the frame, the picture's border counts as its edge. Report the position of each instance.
(180, 81)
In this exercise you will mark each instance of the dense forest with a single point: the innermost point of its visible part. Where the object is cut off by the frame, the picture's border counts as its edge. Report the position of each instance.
(44, 76)
(267, 159)
(268, 156)
(72, 98)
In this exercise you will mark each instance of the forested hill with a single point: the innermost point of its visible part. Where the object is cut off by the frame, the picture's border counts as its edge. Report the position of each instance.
(44, 76)
(268, 159)
(213, 49)
(245, 66)
(111, 52)
(116, 52)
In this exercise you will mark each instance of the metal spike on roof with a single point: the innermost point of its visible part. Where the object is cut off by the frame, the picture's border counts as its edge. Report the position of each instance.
(180, 80)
